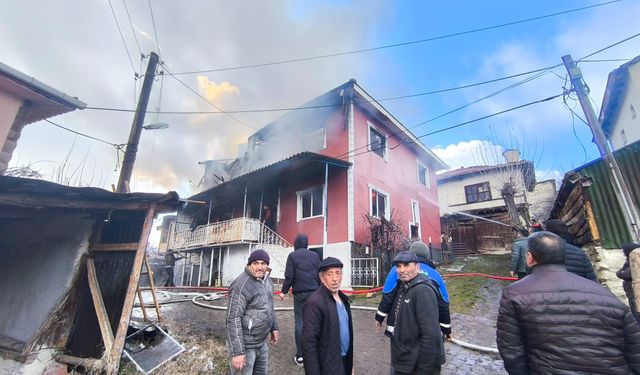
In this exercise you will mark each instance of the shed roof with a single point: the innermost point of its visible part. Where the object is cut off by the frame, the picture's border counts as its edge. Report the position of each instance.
(46, 101)
(614, 95)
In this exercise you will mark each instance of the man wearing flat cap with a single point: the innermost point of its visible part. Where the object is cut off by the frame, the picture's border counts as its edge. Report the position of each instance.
(327, 333)
(417, 344)
(251, 317)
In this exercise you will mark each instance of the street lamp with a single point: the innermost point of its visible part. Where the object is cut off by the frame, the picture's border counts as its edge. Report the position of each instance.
(156, 126)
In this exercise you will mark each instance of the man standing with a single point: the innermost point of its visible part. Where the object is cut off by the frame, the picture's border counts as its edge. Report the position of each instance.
(300, 274)
(555, 322)
(575, 260)
(519, 254)
(169, 265)
(416, 345)
(251, 317)
(385, 310)
(327, 334)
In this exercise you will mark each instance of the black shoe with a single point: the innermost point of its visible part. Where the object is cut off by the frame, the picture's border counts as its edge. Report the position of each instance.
(298, 360)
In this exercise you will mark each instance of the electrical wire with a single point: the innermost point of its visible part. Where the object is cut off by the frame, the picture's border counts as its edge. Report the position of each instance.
(609, 46)
(155, 32)
(122, 38)
(207, 100)
(283, 109)
(133, 31)
(116, 145)
(605, 60)
(401, 44)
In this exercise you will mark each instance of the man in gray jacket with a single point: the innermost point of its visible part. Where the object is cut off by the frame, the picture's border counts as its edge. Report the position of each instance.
(251, 317)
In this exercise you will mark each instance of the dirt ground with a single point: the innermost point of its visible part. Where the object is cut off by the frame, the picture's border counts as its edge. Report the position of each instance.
(202, 332)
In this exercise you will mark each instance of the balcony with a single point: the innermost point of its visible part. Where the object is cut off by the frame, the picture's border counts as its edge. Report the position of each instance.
(238, 230)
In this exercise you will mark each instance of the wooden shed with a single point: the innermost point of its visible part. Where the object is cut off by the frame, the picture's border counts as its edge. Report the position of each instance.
(71, 261)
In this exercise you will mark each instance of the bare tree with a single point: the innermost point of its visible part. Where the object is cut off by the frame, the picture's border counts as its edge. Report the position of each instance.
(387, 237)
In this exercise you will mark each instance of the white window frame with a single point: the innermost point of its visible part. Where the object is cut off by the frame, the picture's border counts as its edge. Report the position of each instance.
(385, 150)
(387, 212)
(299, 195)
(427, 179)
(415, 219)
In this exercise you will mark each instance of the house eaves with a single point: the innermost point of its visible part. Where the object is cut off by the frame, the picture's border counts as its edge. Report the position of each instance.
(45, 100)
(292, 163)
(614, 95)
(368, 100)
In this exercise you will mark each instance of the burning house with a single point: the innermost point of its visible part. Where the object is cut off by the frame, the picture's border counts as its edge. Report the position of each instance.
(330, 169)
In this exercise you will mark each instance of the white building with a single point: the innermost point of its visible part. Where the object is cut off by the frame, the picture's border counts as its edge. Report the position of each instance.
(620, 114)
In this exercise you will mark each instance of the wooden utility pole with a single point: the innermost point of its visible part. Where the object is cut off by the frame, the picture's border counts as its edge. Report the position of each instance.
(618, 182)
(136, 127)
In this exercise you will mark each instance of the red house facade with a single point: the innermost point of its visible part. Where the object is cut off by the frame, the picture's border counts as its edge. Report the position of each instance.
(325, 170)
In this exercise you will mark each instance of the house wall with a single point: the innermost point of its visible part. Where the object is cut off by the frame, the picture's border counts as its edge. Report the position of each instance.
(10, 106)
(627, 121)
(289, 226)
(451, 194)
(39, 260)
(398, 177)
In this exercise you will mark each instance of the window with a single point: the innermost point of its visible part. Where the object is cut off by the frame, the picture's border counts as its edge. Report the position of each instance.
(414, 226)
(379, 204)
(633, 111)
(309, 203)
(423, 175)
(377, 142)
(478, 192)
(623, 137)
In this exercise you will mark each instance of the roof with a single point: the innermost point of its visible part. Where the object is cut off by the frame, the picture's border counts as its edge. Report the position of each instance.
(303, 160)
(461, 173)
(614, 95)
(46, 101)
(30, 193)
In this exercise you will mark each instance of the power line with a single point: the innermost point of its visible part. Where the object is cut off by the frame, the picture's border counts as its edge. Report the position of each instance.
(155, 32)
(605, 60)
(282, 109)
(132, 28)
(117, 146)
(431, 39)
(609, 46)
(122, 37)
(207, 100)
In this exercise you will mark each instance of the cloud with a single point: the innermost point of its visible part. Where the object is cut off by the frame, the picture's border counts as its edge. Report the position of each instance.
(470, 153)
(212, 91)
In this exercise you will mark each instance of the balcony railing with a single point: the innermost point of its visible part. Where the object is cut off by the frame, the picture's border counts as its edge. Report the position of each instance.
(224, 232)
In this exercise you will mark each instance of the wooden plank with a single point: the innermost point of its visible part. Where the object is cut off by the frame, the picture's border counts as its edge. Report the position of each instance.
(593, 226)
(573, 197)
(126, 246)
(98, 304)
(88, 363)
(22, 200)
(121, 332)
(153, 287)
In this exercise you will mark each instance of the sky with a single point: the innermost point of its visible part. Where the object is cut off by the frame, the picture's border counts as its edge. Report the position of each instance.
(92, 50)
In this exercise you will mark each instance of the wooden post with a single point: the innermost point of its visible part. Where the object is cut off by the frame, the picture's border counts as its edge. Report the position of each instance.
(98, 304)
(118, 343)
(634, 264)
(152, 286)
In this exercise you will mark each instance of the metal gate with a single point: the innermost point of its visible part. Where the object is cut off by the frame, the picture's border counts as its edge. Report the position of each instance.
(365, 272)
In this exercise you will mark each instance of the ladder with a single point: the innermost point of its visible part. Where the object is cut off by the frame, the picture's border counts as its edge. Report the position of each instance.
(146, 270)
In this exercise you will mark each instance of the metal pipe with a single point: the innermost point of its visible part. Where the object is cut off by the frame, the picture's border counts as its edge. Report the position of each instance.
(244, 206)
(325, 206)
(200, 267)
(211, 267)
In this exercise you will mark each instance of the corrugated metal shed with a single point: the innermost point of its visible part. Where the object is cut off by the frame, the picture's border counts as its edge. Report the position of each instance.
(599, 194)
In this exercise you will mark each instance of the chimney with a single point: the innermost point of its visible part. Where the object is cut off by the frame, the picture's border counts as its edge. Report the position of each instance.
(511, 155)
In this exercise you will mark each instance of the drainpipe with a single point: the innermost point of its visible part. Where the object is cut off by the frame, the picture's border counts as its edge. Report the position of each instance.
(210, 204)
(260, 207)
(325, 207)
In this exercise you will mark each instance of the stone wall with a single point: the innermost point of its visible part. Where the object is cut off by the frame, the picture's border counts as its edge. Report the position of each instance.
(606, 262)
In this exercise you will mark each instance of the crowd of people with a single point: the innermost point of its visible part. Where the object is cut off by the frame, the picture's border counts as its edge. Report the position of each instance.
(556, 319)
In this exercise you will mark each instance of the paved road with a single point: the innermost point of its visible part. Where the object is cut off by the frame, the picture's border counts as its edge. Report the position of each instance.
(371, 347)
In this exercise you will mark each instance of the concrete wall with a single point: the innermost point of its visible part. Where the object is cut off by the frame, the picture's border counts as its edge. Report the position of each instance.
(39, 260)
(627, 121)
(606, 262)
(9, 106)
(541, 199)
(341, 251)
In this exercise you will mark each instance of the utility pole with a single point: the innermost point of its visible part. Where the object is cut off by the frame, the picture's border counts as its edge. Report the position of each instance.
(618, 183)
(136, 127)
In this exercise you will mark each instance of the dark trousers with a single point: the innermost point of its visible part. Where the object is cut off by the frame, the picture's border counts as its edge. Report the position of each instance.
(169, 271)
(298, 302)
(522, 275)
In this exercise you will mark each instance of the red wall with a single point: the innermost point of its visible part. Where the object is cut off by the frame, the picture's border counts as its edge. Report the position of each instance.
(398, 177)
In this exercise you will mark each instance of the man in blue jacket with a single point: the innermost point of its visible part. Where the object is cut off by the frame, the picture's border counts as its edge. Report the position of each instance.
(301, 275)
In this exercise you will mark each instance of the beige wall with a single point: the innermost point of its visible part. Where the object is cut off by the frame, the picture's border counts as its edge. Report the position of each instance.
(9, 106)
(626, 121)
(451, 194)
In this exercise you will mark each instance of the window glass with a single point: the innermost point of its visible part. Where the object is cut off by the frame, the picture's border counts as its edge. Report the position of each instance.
(378, 204)
(478, 192)
(306, 205)
(378, 142)
(317, 202)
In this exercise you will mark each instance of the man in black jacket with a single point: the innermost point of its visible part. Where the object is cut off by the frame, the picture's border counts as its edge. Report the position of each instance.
(416, 345)
(300, 274)
(575, 260)
(327, 334)
(555, 322)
